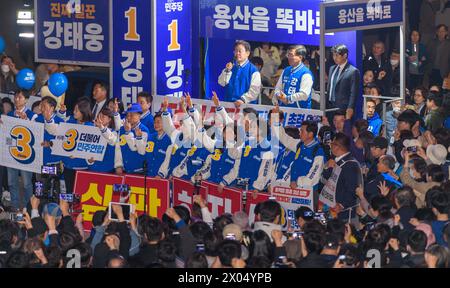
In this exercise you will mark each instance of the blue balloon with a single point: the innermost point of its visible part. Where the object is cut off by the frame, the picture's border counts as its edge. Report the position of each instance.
(2, 45)
(25, 79)
(57, 84)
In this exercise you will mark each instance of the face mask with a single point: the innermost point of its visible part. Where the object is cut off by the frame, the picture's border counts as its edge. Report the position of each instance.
(5, 68)
(396, 109)
(394, 62)
(411, 173)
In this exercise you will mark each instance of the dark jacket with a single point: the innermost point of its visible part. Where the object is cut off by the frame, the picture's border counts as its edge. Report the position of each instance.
(349, 179)
(415, 261)
(148, 254)
(313, 260)
(406, 213)
(347, 88)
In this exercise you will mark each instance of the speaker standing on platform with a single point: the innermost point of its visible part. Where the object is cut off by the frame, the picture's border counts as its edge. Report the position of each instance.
(294, 87)
(241, 78)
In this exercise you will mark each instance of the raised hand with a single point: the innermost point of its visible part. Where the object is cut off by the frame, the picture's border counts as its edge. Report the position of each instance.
(215, 99)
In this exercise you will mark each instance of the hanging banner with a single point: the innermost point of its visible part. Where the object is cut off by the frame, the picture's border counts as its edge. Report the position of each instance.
(229, 201)
(72, 32)
(157, 194)
(79, 141)
(96, 192)
(293, 116)
(173, 47)
(363, 14)
(20, 144)
(291, 200)
(132, 47)
(183, 192)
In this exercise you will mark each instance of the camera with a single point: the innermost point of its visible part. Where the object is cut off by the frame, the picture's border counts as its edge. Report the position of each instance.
(280, 263)
(51, 170)
(242, 182)
(200, 247)
(412, 149)
(295, 235)
(327, 137)
(16, 217)
(230, 236)
(321, 217)
(121, 188)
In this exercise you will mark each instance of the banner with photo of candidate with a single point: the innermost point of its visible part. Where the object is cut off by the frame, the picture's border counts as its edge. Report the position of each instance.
(20, 144)
(79, 141)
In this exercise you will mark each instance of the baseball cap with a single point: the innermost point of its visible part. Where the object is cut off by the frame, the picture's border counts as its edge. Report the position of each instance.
(134, 108)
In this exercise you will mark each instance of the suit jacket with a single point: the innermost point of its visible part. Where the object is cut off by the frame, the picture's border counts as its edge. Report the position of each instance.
(347, 87)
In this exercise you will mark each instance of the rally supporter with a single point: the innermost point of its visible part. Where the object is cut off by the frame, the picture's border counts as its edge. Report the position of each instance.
(20, 111)
(145, 100)
(375, 122)
(294, 87)
(309, 156)
(82, 115)
(241, 78)
(133, 138)
(157, 144)
(112, 159)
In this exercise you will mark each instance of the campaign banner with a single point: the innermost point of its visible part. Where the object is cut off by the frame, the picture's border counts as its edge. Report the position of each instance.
(363, 14)
(292, 116)
(20, 144)
(173, 47)
(96, 192)
(158, 198)
(183, 192)
(132, 48)
(79, 141)
(251, 204)
(229, 201)
(290, 200)
(72, 32)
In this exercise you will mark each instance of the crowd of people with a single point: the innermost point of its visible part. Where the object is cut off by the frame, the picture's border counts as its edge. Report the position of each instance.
(388, 174)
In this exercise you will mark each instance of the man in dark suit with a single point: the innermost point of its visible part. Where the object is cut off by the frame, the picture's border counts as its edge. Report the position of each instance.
(343, 82)
(349, 178)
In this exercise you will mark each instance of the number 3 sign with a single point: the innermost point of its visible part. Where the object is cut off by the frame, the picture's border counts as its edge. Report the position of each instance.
(20, 144)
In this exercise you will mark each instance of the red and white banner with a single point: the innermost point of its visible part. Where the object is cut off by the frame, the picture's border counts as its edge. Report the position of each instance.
(183, 192)
(96, 191)
(229, 201)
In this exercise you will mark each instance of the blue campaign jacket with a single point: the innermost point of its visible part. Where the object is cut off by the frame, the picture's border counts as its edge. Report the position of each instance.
(292, 78)
(133, 162)
(240, 81)
(156, 152)
(375, 124)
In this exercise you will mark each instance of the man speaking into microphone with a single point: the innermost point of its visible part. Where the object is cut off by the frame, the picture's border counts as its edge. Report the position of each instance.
(241, 78)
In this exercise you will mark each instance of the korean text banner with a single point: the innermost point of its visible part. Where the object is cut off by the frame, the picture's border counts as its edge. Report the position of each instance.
(131, 63)
(173, 42)
(363, 15)
(20, 144)
(293, 116)
(290, 200)
(280, 21)
(79, 141)
(72, 32)
(96, 192)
